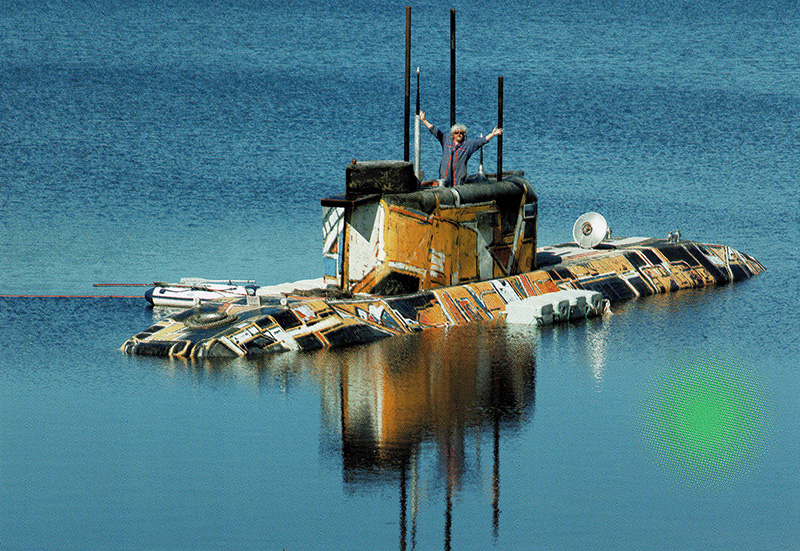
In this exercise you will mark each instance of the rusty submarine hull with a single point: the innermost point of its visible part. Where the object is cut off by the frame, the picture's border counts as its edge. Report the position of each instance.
(400, 257)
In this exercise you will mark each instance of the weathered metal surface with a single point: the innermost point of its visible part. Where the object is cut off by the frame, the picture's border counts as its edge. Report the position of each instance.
(406, 242)
(624, 270)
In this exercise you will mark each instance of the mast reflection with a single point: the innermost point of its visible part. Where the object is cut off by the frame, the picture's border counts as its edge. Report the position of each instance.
(435, 387)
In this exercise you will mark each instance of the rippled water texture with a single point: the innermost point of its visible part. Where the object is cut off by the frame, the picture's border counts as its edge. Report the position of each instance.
(151, 141)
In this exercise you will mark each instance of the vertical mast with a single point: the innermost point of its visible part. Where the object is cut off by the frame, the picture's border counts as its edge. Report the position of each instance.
(417, 169)
(407, 85)
(500, 125)
(452, 67)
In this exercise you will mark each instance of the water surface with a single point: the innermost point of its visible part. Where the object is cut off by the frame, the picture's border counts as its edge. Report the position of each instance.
(143, 142)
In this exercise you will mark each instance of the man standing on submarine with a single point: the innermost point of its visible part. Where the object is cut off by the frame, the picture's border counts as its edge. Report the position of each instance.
(456, 150)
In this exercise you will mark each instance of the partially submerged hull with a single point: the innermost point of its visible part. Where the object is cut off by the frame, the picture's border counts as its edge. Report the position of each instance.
(621, 270)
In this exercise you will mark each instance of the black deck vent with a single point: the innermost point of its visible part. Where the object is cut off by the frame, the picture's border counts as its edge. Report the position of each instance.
(369, 177)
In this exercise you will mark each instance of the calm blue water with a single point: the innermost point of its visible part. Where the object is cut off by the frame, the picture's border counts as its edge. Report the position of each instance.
(148, 141)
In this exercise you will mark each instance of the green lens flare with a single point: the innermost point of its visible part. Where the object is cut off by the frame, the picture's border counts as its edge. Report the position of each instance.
(706, 421)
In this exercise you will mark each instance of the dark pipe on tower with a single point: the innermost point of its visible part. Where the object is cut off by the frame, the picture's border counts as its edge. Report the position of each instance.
(408, 85)
(452, 67)
(500, 125)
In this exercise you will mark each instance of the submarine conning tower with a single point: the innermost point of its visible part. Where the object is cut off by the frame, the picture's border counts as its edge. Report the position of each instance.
(389, 234)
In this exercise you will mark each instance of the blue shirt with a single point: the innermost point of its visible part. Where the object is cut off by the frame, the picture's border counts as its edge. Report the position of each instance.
(453, 168)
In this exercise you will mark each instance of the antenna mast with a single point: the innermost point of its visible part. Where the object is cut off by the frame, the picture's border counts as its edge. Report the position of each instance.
(500, 125)
(408, 84)
(452, 67)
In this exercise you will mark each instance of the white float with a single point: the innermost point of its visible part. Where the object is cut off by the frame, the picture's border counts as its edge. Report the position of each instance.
(555, 307)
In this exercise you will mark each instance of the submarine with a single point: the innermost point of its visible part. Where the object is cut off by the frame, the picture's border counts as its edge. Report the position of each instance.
(401, 255)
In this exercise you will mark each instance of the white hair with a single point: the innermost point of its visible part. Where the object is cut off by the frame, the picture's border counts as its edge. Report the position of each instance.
(458, 127)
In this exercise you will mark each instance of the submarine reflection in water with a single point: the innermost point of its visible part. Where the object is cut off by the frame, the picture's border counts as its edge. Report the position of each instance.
(478, 384)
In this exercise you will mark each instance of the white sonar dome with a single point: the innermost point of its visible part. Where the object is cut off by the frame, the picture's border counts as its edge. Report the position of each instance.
(589, 230)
